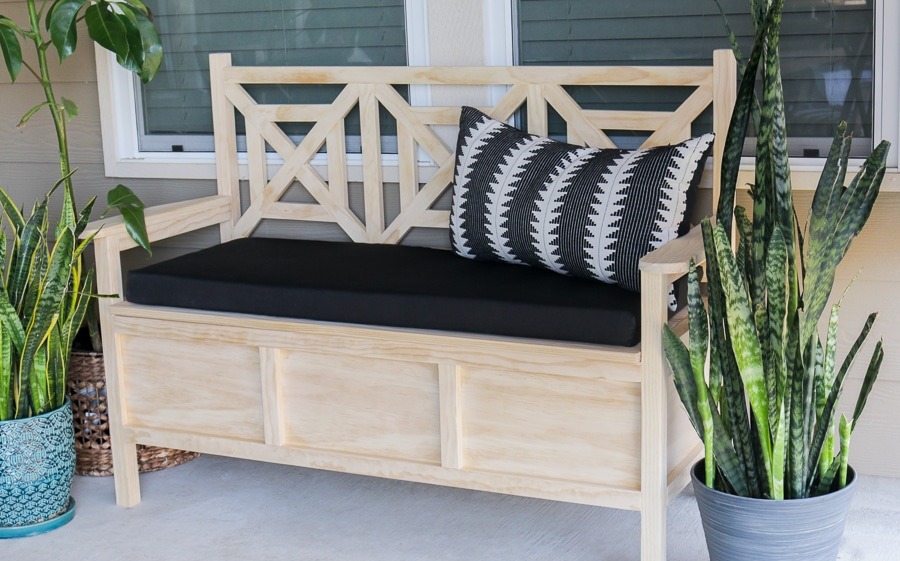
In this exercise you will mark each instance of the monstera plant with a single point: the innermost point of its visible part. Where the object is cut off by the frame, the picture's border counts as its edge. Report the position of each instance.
(765, 407)
(45, 288)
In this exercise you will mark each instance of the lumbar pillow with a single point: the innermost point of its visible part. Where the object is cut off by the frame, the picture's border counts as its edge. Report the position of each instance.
(585, 212)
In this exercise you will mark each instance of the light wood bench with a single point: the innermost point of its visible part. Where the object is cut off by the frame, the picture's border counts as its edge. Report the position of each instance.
(589, 424)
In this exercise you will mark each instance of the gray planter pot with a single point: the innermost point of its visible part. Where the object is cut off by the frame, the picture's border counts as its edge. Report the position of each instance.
(742, 529)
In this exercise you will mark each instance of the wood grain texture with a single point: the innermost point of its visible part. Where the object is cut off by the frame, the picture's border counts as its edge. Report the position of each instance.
(373, 408)
(553, 427)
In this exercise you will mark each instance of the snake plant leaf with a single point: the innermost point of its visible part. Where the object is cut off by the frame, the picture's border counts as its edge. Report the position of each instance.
(776, 295)
(11, 48)
(12, 212)
(698, 323)
(126, 202)
(828, 246)
(29, 244)
(827, 418)
(84, 217)
(39, 382)
(57, 361)
(779, 450)
(828, 192)
(827, 480)
(845, 431)
(734, 411)
(737, 129)
(45, 313)
(61, 23)
(725, 457)
(5, 379)
(745, 343)
(869, 381)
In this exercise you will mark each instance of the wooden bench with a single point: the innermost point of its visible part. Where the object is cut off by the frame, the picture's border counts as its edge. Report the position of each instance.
(591, 424)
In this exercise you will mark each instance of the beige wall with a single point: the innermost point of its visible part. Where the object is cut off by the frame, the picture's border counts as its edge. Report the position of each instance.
(28, 167)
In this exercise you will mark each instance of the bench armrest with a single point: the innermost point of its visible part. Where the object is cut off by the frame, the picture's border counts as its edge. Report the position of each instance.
(674, 258)
(166, 221)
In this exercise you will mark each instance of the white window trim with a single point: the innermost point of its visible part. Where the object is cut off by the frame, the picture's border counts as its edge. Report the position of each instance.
(122, 156)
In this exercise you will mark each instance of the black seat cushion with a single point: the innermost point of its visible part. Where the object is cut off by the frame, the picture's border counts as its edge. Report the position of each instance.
(397, 286)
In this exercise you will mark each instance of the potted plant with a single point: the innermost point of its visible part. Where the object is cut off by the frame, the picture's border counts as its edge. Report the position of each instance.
(45, 288)
(772, 485)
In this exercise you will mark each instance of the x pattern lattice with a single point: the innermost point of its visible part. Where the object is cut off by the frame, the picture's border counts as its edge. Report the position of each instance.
(414, 133)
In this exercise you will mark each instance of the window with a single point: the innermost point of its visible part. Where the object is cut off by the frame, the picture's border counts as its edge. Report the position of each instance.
(827, 49)
(174, 109)
(169, 120)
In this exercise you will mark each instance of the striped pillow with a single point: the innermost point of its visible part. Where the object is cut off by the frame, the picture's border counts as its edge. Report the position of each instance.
(585, 212)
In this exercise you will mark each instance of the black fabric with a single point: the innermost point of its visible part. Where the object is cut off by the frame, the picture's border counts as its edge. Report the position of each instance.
(586, 212)
(389, 285)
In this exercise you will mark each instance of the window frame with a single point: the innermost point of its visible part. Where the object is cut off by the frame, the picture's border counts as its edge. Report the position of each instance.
(122, 156)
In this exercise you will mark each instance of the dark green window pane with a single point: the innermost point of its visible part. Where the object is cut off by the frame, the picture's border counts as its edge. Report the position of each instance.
(176, 107)
(827, 49)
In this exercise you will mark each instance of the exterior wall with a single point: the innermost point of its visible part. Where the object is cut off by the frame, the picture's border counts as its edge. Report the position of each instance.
(28, 168)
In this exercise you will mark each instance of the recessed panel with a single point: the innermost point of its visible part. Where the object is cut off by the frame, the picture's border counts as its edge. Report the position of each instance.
(203, 388)
(576, 429)
(376, 408)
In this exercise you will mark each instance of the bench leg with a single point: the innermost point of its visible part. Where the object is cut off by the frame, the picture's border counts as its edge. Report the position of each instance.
(124, 449)
(654, 418)
(125, 469)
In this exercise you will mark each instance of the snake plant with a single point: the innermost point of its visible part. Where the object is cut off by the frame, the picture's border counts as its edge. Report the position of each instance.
(45, 289)
(766, 410)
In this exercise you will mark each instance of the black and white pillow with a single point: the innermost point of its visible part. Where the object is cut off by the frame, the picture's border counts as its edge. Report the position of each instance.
(585, 212)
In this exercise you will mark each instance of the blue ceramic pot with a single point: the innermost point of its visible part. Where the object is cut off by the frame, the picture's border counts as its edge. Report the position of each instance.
(37, 461)
(744, 529)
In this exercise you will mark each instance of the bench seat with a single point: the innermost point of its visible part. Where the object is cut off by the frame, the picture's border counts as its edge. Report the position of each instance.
(390, 285)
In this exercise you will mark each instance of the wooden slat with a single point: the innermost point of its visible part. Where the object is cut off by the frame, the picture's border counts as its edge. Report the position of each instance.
(450, 379)
(166, 221)
(671, 132)
(509, 103)
(569, 110)
(273, 419)
(305, 113)
(465, 349)
(225, 138)
(626, 120)
(675, 256)
(123, 447)
(256, 162)
(336, 146)
(434, 219)
(405, 470)
(370, 132)
(298, 211)
(296, 165)
(429, 193)
(408, 166)
(426, 138)
(654, 416)
(487, 75)
(537, 110)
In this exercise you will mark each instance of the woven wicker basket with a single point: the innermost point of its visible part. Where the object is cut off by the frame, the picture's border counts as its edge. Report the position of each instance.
(86, 385)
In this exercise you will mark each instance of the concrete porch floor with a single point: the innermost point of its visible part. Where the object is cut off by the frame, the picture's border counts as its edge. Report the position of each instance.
(225, 509)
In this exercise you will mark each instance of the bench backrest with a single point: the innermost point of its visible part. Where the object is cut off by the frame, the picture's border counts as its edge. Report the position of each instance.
(320, 163)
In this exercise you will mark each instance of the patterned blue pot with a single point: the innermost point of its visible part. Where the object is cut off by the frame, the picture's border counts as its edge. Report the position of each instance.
(37, 461)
